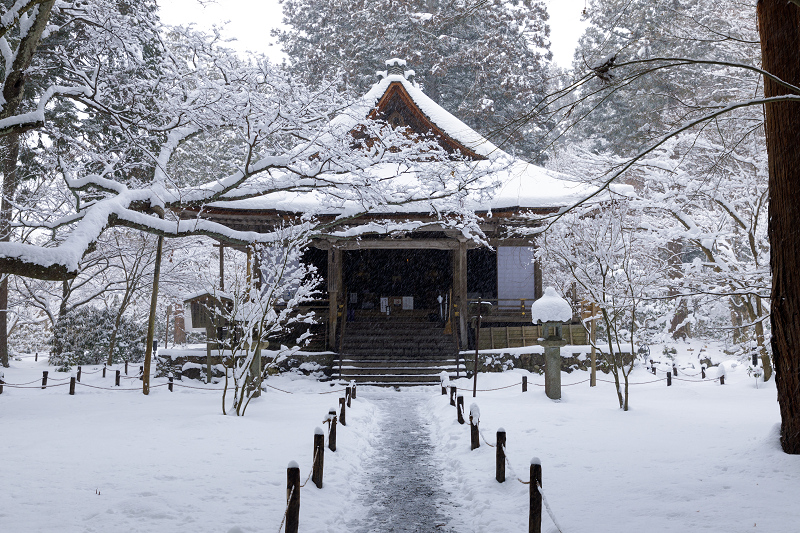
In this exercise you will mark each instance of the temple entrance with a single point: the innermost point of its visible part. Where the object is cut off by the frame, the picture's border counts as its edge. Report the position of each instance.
(395, 282)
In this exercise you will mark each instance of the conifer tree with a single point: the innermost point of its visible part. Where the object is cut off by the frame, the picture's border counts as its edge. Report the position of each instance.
(484, 61)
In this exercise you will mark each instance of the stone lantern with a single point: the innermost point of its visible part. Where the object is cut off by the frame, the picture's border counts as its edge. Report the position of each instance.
(552, 311)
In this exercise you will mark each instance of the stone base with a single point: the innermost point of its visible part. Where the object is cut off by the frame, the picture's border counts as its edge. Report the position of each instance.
(533, 362)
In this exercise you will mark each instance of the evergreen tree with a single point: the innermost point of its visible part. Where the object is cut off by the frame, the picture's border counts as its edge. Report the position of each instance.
(637, 103)
(486, 61)
(83, 336)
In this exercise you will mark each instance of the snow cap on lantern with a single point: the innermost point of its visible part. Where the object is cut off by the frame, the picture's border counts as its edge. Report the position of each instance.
(552, 310)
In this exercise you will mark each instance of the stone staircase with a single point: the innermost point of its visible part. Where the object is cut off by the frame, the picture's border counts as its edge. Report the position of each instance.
(396, 353)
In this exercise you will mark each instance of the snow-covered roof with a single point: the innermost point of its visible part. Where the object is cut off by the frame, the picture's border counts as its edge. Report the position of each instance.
(517, 183)
(439, 116)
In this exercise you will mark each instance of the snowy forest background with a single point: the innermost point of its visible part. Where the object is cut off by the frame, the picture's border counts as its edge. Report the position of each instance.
(110, 123)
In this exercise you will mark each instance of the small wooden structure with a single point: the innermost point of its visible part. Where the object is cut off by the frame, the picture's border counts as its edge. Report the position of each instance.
(208, 311)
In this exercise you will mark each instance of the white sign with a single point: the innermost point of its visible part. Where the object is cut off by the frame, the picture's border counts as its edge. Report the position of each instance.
(408, 303)
(384, 304)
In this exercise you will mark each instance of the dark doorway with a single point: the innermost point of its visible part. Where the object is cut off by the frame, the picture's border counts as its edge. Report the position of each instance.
(482, 273)
(372, 274)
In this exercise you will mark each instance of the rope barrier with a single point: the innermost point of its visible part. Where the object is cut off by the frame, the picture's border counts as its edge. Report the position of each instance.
(490, 390)
(192, 387)
(286, 512)
(276, 388)
(642, 383)
(484, 438)
(508, 463)
(329, 392)
(34, 386)
(547, 506)
(695, 380)
(310, 470)
(119, 388)
(37, 380)
(55, 379)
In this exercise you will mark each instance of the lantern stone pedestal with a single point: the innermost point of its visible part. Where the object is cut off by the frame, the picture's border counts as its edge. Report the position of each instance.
(552, 367)
(552, 311)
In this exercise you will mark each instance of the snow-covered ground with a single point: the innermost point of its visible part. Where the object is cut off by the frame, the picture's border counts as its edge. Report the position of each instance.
(691, 457)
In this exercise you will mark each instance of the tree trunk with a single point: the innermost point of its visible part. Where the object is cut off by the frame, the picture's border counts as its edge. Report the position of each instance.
(779, 28)
(151, 324)
(677, 326)
(9, 147)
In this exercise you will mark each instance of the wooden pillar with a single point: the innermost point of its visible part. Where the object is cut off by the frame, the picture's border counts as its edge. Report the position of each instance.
(460, 288)
(334, 290)
(537, 277)
(221, 266)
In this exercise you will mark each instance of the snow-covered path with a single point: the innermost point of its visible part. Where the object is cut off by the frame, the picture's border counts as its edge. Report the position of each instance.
(402, 481)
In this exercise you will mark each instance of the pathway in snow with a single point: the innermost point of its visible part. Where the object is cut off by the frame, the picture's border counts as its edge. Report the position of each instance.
(403, 489)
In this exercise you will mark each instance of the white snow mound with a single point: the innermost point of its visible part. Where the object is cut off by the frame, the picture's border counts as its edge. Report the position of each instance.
(551, 308)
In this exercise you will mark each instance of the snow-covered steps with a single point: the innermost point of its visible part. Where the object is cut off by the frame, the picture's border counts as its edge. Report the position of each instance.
(396, 353)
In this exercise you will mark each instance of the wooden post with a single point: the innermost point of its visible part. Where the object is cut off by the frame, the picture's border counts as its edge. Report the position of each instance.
(593, 355)
(292, 497)
(444, 390)
(319, 457)
(703, 372)
(474, 435)
(104, 370)
(353, 386)
(524, 383)
(453, 395)
(669, 379)
(334, 289)
(460, 409)
(36, 356)
(674, 369)
(722, 379)
(477, 345)
(116, 380)
(332, 433)
(126, 368)
(170, 381)
(342, 411)
(141, 373)
(78, 377)
(44, 379)
(2, 376)
(653, 369)
(535, 516)
(72, 385)
(500, 458)
(348, 391)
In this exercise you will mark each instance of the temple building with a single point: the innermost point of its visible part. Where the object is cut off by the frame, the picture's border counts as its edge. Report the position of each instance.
(405, 293)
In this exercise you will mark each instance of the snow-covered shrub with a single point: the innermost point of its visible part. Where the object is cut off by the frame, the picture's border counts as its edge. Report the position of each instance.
(82, 337)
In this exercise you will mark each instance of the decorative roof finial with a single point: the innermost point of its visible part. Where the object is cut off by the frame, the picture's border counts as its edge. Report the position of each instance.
(396, 67)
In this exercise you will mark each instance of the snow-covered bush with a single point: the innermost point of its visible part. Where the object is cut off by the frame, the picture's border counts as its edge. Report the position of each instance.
(82, 336)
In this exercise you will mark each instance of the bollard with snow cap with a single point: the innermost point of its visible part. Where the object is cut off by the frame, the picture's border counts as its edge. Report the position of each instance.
(474, 420)
(552, 310)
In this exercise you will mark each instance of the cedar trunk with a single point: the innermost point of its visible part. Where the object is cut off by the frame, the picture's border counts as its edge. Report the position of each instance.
(779, 28)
